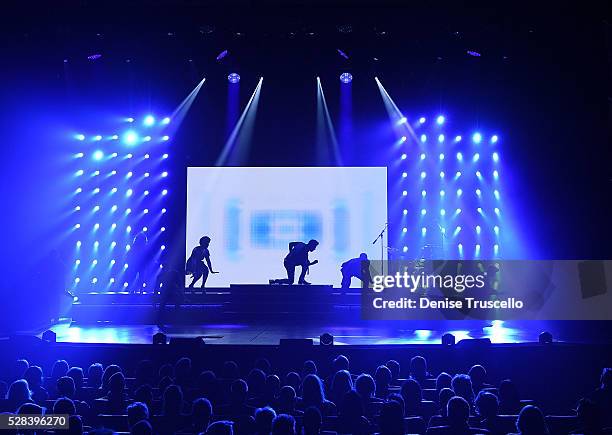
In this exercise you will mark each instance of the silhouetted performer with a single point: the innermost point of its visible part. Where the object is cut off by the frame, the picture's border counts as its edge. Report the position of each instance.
(136, 260)
(170, 288)
(195, 264)
(297, 256)
(356, 267)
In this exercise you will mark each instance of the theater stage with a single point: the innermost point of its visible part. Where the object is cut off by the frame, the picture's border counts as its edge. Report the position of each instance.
(368, 333)
(262, 315)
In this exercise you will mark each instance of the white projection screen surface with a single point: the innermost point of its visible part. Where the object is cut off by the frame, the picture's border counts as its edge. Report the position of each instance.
(253, 213)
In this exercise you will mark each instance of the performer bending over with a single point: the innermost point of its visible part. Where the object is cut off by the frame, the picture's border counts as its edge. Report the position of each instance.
(297, 256)
(195, 264)
(358, 268)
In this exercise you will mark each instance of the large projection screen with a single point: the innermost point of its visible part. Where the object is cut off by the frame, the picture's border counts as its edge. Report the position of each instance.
(252, 214)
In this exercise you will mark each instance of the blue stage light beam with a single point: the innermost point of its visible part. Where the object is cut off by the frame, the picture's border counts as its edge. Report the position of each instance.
(395, 114)
(235, 148)
(325, 132)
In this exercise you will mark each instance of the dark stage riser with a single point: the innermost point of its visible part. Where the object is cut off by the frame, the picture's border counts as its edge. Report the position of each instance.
(245, 302)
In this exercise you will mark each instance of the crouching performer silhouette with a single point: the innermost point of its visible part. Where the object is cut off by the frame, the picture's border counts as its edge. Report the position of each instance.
(358, 268)
(297, 256)
(195, 264)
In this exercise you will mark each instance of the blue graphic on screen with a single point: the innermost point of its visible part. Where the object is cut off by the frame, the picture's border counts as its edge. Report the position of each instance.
(275, 229)
(252, 214)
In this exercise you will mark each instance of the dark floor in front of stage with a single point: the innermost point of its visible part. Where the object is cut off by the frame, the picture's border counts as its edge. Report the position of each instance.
(407, 332)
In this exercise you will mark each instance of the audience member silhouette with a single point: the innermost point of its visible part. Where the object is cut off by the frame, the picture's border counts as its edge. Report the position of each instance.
(263, 420)
(366, 388)
(312, 421)
(351, 418)
(116, 399)
(509, 399)
(589, 418)
(221, 427)
(77, 376)
(391, 419)
(394, 367)
(144, 394)
(297, 256)
(383, 377)
(256, 381)
(109, 371)
(444, 396)
(34, 376)
(94, 375)
(272, 389)
(19, 369)
(285, 403)
(309, 368)
(458, 410)
(418, 369)
(413, 397)
(18, 394)
(313, 395)
(531, 421)
(237, 405)
(478, 375)
(283, 424)
(487, 410)
(143, 427)
(136, 412)
(196, 266)
(64, 405)
(230, 371)
(443, 380)
(462, 386)
(341, 384)
(201, 414)
(294, 380)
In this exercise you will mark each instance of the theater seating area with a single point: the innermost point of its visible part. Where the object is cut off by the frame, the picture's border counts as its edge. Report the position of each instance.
(396, 397)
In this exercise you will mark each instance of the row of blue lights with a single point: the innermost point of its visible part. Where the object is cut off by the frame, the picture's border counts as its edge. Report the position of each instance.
(479, 214)
(117, 198)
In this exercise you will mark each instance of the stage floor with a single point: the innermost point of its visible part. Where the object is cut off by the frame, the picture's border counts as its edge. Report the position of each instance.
(406, 332)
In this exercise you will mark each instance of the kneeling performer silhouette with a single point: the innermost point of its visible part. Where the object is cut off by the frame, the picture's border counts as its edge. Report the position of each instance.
(297, 256)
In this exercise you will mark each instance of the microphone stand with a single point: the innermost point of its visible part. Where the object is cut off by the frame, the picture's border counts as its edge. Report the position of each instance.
(382, 248)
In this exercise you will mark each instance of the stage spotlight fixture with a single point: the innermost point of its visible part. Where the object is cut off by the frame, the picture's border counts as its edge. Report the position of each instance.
(423, 174)
(495, 157)
(441, 156)
(342, 53)
(79, 137)
(545, 338)
(160, 337)
(326, 339)
(476, 137)
(441, 138)
(165, 121)
(97, 137)
(98, 155)
(473, 53)
(346, 77)
(233, 78)
(146, 138)
(165, 138)
(115, 137)
(494, 138)
(94, 56)
(149, 120)
(440, 120)
(423, 138)
(221, 55)
(422, 120)
(457, 138)
(423, 156)
(448, 339)
(165, 156)
(404, 156)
